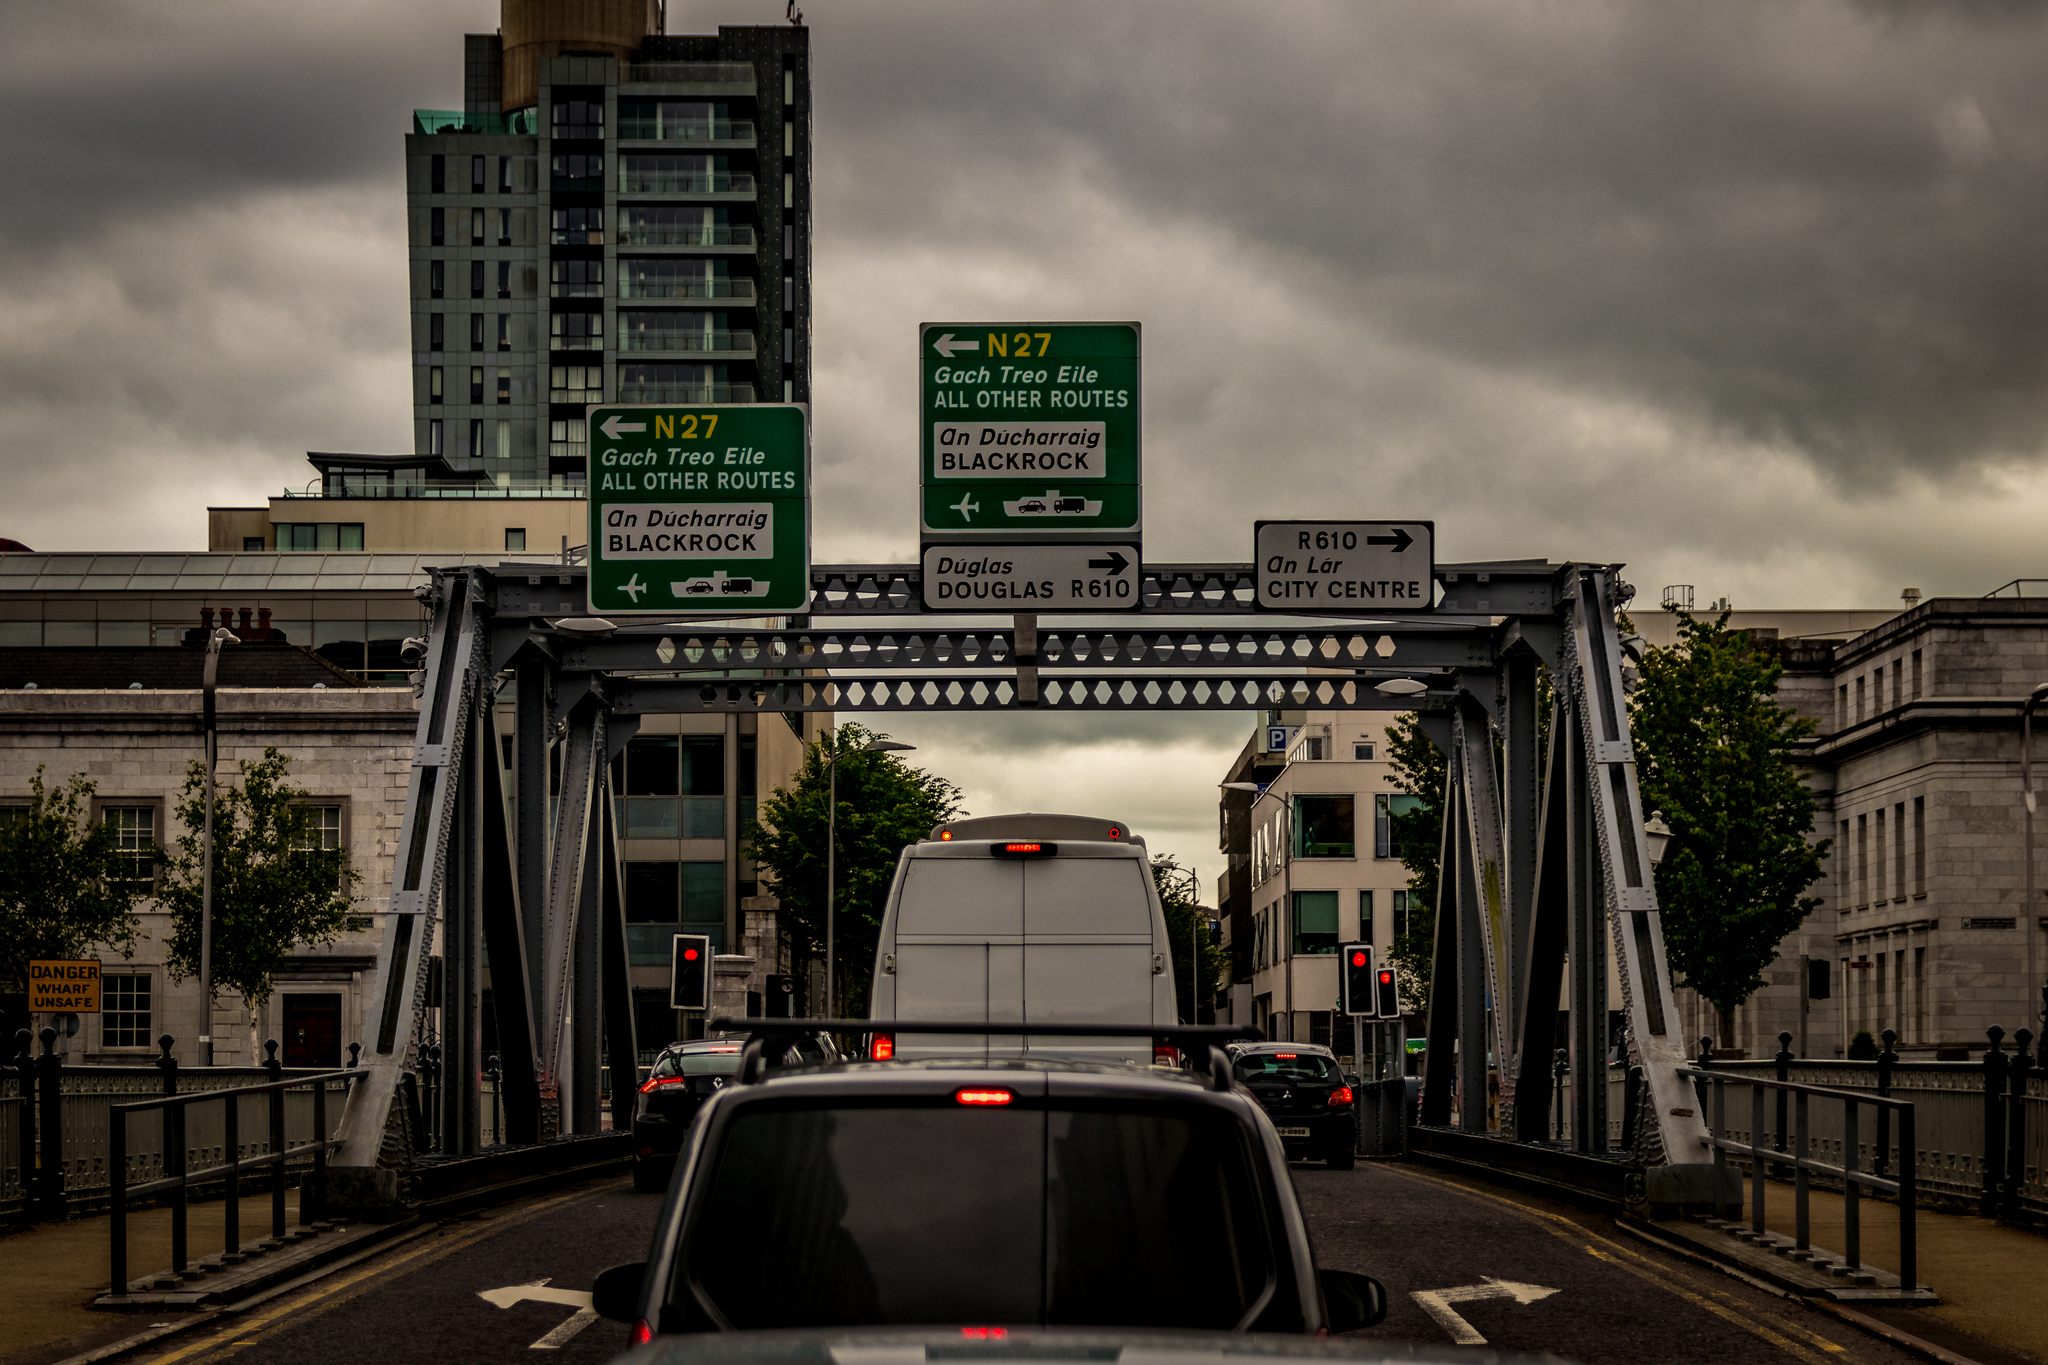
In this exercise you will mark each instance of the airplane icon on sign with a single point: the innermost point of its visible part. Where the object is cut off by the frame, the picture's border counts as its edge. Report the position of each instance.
(966, 507)
(633, 587)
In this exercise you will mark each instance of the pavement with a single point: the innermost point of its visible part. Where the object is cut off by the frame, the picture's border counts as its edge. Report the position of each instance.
(1462, 1262)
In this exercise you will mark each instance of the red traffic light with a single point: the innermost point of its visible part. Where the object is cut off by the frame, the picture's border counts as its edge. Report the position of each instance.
(1386, 977)
(689, 954)
(1357, 959)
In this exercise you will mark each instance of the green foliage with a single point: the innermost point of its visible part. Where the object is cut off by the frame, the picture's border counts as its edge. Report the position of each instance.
(884, 805)
(61, 882)
(1180, 903)
(274, 887)
(1420, 772)
(1714, 757)
(1863, 1047)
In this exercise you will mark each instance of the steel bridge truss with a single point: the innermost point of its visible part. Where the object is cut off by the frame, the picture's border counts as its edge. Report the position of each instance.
(1544, 872)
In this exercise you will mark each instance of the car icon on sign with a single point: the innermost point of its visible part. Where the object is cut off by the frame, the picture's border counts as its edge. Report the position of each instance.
(698, 587)
(1030, 505)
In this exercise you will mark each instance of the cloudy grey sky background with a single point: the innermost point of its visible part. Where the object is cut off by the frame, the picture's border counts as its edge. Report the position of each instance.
(1748, 295)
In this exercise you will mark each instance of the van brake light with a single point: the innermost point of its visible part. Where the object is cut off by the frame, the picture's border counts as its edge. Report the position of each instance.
(984, 1097)
(883, 1048)
(1037, 850)
(1165, 1054)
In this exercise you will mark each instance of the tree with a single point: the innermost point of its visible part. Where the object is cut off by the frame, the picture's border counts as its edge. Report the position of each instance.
(1713, 751)
(1416, 829)
(274, 887)
(1180, 902)
(64, 886)
(884, 805)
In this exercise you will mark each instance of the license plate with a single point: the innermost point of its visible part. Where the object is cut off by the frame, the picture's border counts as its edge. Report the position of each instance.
(1293, 1132)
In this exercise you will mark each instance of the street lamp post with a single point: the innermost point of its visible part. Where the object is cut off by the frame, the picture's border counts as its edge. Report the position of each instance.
(873, 746)
(221, 636)
(2030, 917)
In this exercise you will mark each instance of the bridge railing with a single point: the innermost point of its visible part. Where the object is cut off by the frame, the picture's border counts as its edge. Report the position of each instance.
(1762, 1155)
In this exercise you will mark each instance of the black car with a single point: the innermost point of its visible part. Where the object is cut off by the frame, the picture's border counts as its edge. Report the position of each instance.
(1033, 1193)
(682, 1078)
(1302, 1090)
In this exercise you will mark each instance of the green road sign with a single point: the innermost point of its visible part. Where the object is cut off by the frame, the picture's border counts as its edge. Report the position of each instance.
(1029, 431)
(700, 508)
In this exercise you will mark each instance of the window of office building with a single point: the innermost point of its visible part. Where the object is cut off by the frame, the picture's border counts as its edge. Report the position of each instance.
(437, 278)
(680, 224)
(576, 331)
(1385, 806)
(437, 331)
(504, 175)
(1919, 845)
(321, 535)
(1877, 867)
(1315, 923)
(134, 829)
(434, 437)
(575, 279)
(1365, 917)
(515, 537)
(476, 384)
(680, 383)
(1400, 915)
(476, 331)
(437, 229)
(575, 383)
(476, 227)
(434, 384)
(652, 892)
(504, 227)
(253, 543)
(1364, 753)
(125, 1017)
(476, 175)
(681, 278)
(673, 329)
(476, 279)
(574, 166)
(437, 179)
(504, 279)
(1916, 673)
(578, 225)
(577, 118)
(504, 331)
(504, 387)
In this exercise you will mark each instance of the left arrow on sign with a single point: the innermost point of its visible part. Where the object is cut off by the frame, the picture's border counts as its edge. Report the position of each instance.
(1437, 1303)
(538, 1291)
(946, 346)
(612, 426)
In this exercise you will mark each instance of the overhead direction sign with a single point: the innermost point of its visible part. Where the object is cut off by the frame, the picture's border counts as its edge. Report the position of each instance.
(700, 508)
(59, 985)
(1345, 568)
(1029, 431)
(1030, 578)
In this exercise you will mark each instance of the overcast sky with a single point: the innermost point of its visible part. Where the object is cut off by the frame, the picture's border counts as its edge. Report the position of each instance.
(1748, 295)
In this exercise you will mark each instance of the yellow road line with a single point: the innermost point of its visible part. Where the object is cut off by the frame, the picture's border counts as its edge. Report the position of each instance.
(1733, 1310)
(319, 1298)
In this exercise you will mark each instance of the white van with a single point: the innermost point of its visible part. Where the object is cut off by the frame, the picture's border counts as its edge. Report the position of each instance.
(1031, 918)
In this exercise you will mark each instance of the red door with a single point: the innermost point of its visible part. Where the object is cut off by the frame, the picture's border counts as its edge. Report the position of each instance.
(312, 1031)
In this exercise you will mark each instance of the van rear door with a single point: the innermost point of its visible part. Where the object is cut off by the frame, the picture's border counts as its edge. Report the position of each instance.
(959, 935)
(1088, 951)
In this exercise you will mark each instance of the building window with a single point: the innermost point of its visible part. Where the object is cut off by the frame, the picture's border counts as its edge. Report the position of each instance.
(476, 227)
(504, 279)
(1323, 827)
(1313, 748)
(1919, 845)
(1364, 753)
(515, 537)
(437, 278)
(434, 437)
(575, 279)
(124, 1010)
(134, 830)
(1877, 868)
(576, 332)
(575, 383)
(476, 439)
(1916, 674)
(578, 118)
(504, 175)
(1400, 925)
(476, 175)
(323, 830)
(321, 535)
(1842, 707)
(1384, 808)
(437, 331)
(1862, 860)
(438, 227)
(504, 227)
(434, 384)
(1861, 698)
(1842, 852)
(476, 384)
(1899, 851)
(580, 226)
(476, 331)
(1898, 682)
(253, 543)
(504, 387)
(504, 331)
(476, 279)
(1365, 917)
(438, 179)
(504, 438)
(1315, 923)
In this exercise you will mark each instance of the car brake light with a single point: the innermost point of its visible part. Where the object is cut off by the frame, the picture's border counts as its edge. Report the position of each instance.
(1285, 1056)
(884, 1047)
(655, 1082)
(944, 835)
(642, 1333)
(1164, 1054)
(983, 1096)
(1341, 1095)
(984, 1333)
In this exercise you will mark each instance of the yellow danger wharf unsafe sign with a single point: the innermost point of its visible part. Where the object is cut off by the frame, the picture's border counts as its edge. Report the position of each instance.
(54, 987)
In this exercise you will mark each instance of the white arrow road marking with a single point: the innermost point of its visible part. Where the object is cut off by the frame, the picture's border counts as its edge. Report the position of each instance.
(945, 345)
(1437, 1303)
(538, 1291)
(612, 426)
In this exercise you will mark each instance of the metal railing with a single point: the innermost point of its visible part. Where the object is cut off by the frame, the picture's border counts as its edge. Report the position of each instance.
(1803, 1165)
(689, 73)
(687, 130)
(430, 491)
(652, 234)
(630, 288)
(660, 392)
(272, 1152)
(694, 343)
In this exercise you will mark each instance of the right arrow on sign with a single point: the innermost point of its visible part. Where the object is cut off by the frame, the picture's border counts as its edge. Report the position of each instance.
(1116, 563)
(1400, 540)
(1437, 1303)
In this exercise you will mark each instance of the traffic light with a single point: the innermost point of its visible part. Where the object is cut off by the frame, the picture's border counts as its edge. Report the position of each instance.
(1385, 995)
(689, 983)
(1356, 981)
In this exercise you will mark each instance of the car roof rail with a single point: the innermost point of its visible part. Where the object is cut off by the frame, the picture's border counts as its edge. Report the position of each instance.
(769, 1039)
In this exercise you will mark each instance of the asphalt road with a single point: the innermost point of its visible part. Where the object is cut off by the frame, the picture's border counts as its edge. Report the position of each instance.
(1533, 1276)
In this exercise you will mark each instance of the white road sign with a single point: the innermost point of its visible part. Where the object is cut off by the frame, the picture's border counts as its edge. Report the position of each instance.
(1345, 568)
(1030, 578)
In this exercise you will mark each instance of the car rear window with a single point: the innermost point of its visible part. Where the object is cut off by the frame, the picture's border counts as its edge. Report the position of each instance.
(697, 1064)
(894, 1216)
(1285, 1066)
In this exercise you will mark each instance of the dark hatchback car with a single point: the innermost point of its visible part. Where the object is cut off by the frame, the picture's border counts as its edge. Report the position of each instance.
(685, 1075)
(1302, 1090)
(1033, 1193)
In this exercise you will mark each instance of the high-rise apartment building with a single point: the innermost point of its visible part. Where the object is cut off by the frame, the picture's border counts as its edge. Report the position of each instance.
(615, 215)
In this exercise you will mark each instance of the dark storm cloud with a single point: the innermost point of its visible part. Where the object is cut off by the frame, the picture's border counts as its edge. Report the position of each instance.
(1807, 225)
